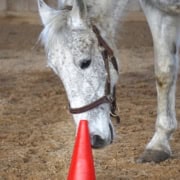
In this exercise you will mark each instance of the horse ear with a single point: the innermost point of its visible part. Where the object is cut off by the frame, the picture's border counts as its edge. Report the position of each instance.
(78, 14)
(46, 13)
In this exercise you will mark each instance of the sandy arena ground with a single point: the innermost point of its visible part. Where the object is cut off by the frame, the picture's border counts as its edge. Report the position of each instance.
(36, 129)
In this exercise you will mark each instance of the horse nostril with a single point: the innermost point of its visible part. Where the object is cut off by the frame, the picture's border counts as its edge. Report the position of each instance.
(97, 141)
(112, 132)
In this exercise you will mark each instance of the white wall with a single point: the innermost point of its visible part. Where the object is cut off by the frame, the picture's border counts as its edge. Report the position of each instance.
(3, 5)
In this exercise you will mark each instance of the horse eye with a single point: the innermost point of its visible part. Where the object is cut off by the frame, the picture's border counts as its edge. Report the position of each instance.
(85, 63)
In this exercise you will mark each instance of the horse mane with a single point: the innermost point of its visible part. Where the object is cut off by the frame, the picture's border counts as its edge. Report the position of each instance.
(53, 30)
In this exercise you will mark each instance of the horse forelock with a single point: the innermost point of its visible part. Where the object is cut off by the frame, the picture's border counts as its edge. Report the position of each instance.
(53, 31)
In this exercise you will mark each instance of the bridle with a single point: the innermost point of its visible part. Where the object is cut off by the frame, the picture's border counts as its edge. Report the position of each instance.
(108, 56)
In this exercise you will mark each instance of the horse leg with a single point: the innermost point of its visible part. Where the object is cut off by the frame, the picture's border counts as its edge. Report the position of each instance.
(166, 49)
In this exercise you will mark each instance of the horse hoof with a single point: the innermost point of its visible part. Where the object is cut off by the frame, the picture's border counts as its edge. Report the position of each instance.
(153, 156)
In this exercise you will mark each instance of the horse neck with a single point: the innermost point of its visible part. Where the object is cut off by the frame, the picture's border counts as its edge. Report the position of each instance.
(109, 18)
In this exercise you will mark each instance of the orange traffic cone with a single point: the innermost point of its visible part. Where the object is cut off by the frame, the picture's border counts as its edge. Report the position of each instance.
(82, 165)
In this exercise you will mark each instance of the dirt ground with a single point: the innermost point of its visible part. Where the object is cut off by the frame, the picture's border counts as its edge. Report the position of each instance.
(36, 129)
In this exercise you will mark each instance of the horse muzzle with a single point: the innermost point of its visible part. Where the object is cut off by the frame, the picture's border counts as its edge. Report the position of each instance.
(98, 142)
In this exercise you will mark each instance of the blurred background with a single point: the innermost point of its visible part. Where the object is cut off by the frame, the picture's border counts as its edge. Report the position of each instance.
(31, 5)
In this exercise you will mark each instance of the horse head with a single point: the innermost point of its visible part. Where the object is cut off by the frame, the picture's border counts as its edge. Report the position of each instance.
(79, 56)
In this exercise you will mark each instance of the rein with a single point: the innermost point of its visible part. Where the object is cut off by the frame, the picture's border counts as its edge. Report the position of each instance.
(108, 56)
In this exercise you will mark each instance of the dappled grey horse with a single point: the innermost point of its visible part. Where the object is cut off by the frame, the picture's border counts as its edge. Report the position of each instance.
(79, 39)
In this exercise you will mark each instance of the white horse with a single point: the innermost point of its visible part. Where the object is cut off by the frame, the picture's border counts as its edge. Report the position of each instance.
(79, 38)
